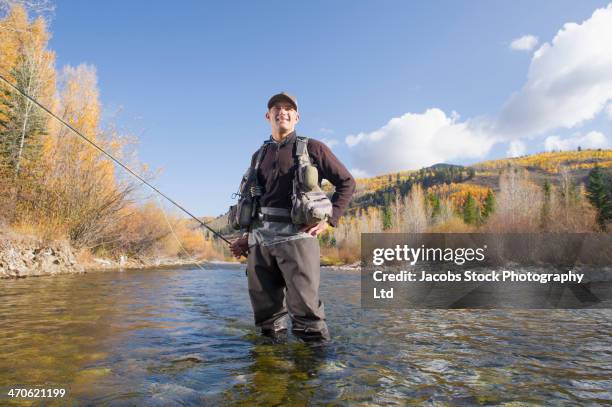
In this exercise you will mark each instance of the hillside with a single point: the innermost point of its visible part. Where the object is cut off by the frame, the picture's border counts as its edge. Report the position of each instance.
(455, 181)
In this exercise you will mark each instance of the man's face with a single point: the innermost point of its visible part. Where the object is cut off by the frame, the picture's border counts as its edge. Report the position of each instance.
(283, 116)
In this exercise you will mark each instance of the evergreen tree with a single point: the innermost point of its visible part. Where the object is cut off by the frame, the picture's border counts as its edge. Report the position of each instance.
(387, 218)
(29, 66)
(547, 188)
(470, 212)
(599, 192)
(545, 215)
(489, 205)
(22, 124)
(386, 197)
(434, 202)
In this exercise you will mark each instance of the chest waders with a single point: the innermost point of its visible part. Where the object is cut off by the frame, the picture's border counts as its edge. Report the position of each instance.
(283, 266)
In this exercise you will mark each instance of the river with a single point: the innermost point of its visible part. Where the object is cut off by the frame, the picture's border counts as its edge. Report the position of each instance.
(186, 337)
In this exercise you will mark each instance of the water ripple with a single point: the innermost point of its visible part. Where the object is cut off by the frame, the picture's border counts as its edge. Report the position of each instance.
(186, 337)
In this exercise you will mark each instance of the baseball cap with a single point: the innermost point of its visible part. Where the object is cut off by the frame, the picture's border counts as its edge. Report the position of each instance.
(280, 96)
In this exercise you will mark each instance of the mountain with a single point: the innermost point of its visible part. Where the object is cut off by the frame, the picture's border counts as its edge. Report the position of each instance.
(454, 181)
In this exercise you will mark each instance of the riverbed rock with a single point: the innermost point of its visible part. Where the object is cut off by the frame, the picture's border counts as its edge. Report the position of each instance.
(25, 256)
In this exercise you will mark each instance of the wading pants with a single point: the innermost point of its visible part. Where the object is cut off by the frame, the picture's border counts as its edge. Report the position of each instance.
(284, 282)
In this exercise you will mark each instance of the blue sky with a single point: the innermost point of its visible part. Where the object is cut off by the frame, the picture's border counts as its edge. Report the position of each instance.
(192, 79)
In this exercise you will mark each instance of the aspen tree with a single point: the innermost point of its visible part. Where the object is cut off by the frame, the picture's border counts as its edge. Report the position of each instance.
(26, 63)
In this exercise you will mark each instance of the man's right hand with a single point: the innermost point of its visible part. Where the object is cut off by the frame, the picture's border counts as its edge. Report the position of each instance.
(240, 247)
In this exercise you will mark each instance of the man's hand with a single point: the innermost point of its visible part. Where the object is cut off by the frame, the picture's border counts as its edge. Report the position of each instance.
(315, 229)
(240, 247)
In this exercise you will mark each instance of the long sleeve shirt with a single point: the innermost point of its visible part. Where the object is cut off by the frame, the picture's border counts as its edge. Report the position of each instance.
(277, 167)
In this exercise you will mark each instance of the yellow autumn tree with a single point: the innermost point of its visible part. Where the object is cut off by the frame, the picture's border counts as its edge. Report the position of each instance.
(552, 162)
(81, 198)
(26, 63)
(54, 184)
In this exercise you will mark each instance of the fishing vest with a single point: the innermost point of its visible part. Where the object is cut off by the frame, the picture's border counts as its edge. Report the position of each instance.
(242, 214)
(309, 204)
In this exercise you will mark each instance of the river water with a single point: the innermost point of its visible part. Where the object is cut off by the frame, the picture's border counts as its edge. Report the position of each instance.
(186, 337)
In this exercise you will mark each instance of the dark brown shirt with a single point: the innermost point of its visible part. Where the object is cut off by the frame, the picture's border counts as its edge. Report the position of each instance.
(277, 168)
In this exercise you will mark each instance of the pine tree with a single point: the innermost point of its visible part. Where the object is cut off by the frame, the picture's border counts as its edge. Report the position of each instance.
(23, 55)
(25, 123)
(599, 192)
(545, 214)
(470, 212)
(387, 218)
(332, 241)
(28, 65)
(547, 188)
(434, 202)
(489, 205)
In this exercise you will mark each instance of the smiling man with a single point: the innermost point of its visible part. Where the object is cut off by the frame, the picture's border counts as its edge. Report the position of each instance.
(283, 251)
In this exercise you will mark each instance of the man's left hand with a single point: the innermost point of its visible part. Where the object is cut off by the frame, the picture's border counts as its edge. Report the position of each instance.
(315, 229)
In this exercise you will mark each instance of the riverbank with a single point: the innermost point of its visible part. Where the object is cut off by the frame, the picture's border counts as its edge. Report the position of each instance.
(27, 256)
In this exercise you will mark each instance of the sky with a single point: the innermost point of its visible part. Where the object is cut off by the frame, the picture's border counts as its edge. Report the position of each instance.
(388, 85)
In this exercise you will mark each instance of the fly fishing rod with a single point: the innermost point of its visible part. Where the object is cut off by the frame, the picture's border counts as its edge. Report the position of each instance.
(115, 160)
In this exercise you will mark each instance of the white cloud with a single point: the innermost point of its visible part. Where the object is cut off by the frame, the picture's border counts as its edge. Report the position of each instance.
(358, 173)
(325, 130)
(524, 43)
(330, 142)
(416, 140)
(593, 139)
(609, 111)
(569, 80)
(516, 149)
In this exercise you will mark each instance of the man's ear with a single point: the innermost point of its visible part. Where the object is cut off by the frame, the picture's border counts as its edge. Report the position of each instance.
(297, 117)
(268, 116)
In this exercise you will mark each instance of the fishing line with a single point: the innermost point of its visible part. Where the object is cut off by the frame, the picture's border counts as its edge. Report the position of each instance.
(116, 161)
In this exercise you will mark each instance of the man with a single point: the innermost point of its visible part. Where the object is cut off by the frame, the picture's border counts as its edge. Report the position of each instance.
(283, 258)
